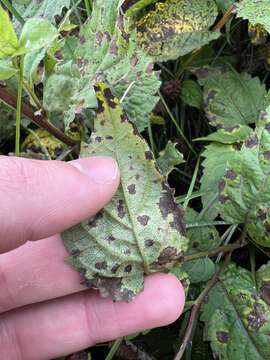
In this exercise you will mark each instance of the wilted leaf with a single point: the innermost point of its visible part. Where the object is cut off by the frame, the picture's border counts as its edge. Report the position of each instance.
(8, 39)
(141, 230)
(177, 27)
(237, 318)
(244, 189)
(169, 158)
(255, 11)
(231, 98)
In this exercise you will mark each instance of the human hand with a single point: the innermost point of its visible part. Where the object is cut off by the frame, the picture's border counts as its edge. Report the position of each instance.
(44, 311)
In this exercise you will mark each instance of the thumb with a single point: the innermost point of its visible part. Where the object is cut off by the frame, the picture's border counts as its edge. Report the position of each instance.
(41, 198)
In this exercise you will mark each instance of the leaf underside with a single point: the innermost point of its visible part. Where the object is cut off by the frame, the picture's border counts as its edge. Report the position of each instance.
(141, 230)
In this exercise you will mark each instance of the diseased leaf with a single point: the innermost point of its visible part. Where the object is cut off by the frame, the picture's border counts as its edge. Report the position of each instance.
(255, 11)
(169, 158)
(177, 27)
(108, 52)
(231, 98)
(141, 230)
(244, 189)
(237, 319)
(229, 136)
(8, 39)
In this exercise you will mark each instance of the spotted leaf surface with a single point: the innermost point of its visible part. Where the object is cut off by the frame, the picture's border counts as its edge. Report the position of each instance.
(176, 27)
(237, 317)
(255, 11)
(231, 98)
(244, 189)
(141, 230)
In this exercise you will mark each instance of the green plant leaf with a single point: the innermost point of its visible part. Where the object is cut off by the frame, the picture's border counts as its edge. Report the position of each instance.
(200, 270)
(6, 70)
(237, 318)
(229, 136)
(169, 158)
(8, 38)
(255, 11)
(141, 230)
(232, 98)
(191, 93)
(45, 9)
(244, 188)
(177, 27)
(37, 34)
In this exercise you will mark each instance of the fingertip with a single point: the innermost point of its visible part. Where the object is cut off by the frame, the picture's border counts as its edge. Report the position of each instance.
(168, 298)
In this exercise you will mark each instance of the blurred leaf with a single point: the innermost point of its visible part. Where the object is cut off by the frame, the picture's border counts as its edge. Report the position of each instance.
(169, 158)
(8, 39)
(244, 189)
(224, 5)
(255, 11)
(232, 98)
(177, 27)
(229, 136)
(191, 94)
(237, 319)
(136, 233)
(7, 70)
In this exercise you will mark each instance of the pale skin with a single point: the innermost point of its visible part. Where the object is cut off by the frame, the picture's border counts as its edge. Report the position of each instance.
(44, 311)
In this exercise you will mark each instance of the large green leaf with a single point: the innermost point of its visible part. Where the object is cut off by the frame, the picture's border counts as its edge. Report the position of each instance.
(255, 11)
(177, 27)
(237, 318)
(141, 230)
(244, 191)
(232, 98)
(108, 52)
(8, 39)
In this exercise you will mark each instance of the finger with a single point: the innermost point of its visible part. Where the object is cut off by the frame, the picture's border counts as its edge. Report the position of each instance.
(47, 277)
(66, 325)
(41, 198)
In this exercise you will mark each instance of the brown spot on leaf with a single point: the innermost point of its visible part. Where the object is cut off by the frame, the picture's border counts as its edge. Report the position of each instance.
(222, 336)
(99, 37)
(230, 174)
(100, 107)
(262, 214)
(266, 155)
(115, 268)
(109, 137)
(110, 98)
(113, 47)
(265, 292)
(237, 146)
(231, 129)
(128, 268)
(132, 189)
(252, 141)
(98, 139)
(75, 252)
(143, 220)
(94, 220)
(221, 185)
(82, 39)
(222, 199)
(149, 155)
(124, 117)
(102, 265)
(256, 318)
(121, 209)
(149, 242)
(110, 238)
(169, 254)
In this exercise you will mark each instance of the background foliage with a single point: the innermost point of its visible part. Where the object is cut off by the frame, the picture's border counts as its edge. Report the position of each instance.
(182, 102)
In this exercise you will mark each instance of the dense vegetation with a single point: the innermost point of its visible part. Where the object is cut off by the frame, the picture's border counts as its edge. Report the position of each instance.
(177, 92)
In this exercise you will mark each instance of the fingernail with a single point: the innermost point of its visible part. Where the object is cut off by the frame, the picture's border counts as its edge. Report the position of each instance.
(101, 170)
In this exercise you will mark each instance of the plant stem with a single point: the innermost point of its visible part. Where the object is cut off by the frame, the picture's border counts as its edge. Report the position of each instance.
(28, 111)
(32, 94)
(197, 305)
(214, 252)
(88, 8)
(176, 124)
(192, 184)
(14, 12)
(226, 18)
(19, 106)
(205, 224)
(114, 348)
